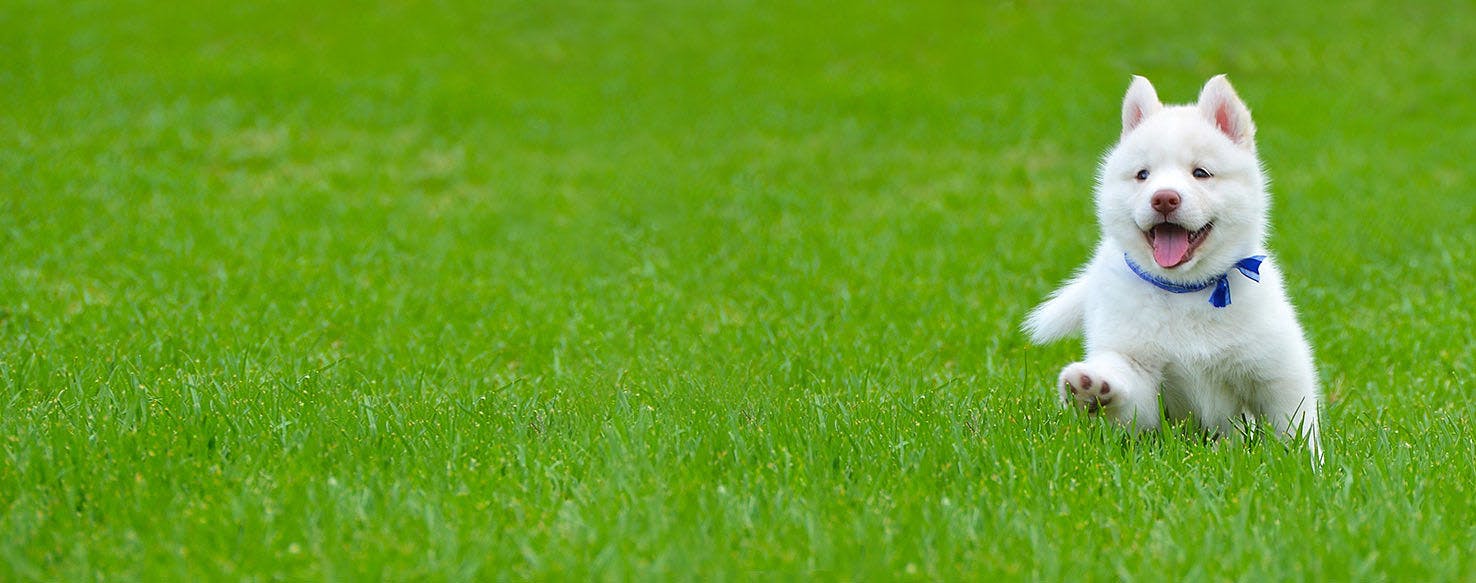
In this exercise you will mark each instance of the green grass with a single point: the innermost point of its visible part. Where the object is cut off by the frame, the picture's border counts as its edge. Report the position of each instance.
(692, 290)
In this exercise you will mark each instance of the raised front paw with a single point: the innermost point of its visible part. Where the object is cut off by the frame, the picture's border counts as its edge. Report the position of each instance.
(1085, 388)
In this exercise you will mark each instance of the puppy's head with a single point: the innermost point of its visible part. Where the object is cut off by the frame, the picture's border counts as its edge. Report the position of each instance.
(1183, 192)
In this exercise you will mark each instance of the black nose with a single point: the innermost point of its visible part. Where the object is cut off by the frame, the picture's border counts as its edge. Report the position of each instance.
(1166, 201)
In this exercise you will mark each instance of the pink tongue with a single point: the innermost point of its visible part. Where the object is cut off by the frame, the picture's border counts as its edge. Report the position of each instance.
(1170, 244)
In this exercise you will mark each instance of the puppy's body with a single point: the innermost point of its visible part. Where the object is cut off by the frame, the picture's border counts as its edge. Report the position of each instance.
(1182, 202)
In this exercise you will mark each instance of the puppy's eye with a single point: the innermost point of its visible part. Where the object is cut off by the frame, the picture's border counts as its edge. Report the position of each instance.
(1201, 173)
(1142, 175)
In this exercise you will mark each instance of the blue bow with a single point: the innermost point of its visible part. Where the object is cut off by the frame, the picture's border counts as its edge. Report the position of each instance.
(1250, 267)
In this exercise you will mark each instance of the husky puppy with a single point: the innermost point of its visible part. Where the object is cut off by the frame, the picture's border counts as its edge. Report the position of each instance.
(1181, 305)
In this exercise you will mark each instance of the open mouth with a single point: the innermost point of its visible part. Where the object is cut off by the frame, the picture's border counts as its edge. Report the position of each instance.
(1173, 244)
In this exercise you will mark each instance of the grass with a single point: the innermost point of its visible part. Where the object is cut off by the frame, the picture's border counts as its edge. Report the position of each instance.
(685, 290)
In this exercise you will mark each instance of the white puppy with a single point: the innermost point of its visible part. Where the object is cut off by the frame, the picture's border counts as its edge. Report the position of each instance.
(1181, 302)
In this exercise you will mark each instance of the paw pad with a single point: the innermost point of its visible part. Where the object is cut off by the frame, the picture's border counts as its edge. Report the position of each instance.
(1087, 392)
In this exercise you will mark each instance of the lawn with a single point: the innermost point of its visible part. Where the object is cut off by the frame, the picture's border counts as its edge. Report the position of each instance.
(693, 290)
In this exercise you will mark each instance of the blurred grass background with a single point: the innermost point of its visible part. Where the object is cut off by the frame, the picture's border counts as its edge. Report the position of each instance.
(667, 289)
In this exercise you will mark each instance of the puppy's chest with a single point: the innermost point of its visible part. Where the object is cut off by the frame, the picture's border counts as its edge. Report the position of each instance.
(1203, 336)
(1198, 353)
(1182, 328)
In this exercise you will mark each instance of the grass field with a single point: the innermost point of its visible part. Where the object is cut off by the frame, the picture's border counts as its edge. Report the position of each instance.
(717, 290)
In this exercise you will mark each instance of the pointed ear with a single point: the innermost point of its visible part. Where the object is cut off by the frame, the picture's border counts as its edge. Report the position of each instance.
(1223, 108)
(1141, 101)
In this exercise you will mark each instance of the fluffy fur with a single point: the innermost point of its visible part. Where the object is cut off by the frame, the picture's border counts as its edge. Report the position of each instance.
(1192, 167)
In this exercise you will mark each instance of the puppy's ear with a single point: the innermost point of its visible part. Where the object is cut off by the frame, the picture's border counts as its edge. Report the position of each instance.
(1141, 101)
(1222, 107)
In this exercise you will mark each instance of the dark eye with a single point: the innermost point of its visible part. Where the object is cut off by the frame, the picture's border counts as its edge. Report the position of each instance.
(1201, 173)
(1143, 174)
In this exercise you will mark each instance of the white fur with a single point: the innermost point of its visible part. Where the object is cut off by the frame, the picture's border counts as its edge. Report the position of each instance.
(1220, 367)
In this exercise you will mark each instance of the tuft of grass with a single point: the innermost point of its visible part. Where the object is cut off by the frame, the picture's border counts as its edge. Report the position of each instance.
(678, 290)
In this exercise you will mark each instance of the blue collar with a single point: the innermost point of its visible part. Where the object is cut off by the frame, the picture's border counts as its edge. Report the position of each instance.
(1250, 267)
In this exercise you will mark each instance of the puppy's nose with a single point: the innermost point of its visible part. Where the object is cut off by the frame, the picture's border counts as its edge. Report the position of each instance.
(1165, 201)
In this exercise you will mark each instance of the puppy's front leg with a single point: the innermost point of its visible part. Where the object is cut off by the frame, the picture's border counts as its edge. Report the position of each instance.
(1290, 405)
(1110, 384)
